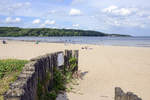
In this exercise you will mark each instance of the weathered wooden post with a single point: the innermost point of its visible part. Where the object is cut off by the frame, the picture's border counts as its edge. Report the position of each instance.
(120, 95)
(71, 54)
(75, 54)
(67, 56)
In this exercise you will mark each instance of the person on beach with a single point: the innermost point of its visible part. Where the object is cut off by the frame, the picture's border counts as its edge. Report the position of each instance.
(4, 42)
(37, 42)
(65, 42)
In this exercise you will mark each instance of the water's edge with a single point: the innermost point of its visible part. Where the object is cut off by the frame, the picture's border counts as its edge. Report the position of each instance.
(112, 41)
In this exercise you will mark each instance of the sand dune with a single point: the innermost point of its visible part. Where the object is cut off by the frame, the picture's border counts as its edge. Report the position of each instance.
(106, 67)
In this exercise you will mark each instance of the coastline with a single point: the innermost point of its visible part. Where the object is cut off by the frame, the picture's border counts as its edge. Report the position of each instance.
(107, 67)
(61, 41)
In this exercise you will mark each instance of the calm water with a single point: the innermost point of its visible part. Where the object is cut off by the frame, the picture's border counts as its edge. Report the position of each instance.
(117, 41)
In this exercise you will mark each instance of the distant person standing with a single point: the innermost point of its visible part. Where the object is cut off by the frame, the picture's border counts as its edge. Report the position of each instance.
(4, 42)
(65, 42)
(37, 42)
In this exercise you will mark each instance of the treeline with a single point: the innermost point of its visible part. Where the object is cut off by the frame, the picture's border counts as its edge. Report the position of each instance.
(16, 32)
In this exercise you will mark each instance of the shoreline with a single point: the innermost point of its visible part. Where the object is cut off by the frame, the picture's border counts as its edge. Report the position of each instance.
(63, 42)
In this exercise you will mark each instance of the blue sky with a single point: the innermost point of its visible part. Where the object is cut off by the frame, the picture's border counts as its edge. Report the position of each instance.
(110, 16)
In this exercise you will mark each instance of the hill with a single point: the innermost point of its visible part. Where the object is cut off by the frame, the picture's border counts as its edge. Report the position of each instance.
(16, 32)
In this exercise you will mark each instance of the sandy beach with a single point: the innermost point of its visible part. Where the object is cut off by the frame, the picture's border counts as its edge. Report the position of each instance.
(106, 67)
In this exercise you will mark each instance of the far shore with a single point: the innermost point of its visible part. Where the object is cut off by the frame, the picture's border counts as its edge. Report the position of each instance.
(106, 67)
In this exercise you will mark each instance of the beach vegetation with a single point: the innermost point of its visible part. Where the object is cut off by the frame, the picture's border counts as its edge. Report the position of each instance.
(60, 80)
(9, 70)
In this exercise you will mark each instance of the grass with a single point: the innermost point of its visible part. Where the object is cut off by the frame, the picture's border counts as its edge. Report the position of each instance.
(9, 70)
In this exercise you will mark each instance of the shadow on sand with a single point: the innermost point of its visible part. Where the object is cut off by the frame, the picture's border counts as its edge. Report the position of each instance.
(78, 75)
(82, 74)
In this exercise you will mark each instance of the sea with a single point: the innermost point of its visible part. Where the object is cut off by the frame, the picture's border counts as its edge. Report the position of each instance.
(140, 41)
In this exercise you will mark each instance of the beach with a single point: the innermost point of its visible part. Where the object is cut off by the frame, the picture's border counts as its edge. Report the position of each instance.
(105, 67)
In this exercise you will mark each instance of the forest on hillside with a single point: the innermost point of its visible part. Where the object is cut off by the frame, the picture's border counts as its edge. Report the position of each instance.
(16, 32)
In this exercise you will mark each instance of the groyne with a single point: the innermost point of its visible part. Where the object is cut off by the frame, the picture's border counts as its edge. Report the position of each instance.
(37, 71)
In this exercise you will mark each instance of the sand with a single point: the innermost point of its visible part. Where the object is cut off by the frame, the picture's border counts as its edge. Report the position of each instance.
(106, 67)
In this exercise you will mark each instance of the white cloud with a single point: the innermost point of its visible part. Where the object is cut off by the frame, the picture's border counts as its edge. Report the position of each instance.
(8, 19)
(11, 20)
(110, 9)
(50, 22)
(148, 17)
(17, 20)
(117, 11)
(75, 25)
(127, 22)
(123, 11)
(36, 21)
(74, 12)
(143, 12)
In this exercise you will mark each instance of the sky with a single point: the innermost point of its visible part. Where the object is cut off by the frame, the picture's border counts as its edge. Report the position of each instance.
(130, 17)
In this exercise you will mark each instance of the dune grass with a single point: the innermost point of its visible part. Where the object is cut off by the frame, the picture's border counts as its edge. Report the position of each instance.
(9, 70)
